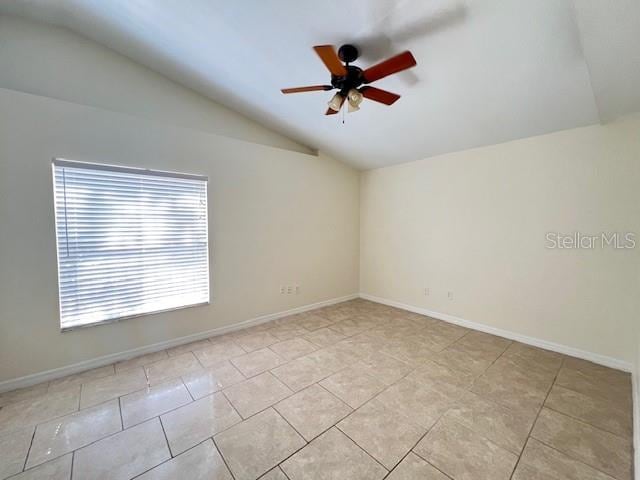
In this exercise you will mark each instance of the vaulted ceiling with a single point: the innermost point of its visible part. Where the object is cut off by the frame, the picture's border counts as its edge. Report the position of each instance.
(488, 71)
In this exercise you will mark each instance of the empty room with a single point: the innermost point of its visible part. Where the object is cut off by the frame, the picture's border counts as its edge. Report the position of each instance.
(342, 240)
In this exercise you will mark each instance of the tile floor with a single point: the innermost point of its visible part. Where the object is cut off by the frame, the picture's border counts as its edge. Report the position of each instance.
(352, 391)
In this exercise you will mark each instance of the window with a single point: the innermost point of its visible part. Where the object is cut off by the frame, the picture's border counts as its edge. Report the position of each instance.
(130, 241)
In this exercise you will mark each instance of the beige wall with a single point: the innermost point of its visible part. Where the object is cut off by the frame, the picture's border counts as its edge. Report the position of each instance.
(474, 223)
(276, 217)
(54, 62)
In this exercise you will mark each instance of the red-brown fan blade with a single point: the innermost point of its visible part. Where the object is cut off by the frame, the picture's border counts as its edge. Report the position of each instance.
(329, 57)
(331, 111)
(377, 95)
(312, 88)
(390, 66)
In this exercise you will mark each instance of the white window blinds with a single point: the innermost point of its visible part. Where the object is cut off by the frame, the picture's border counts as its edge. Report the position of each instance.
(130, 241)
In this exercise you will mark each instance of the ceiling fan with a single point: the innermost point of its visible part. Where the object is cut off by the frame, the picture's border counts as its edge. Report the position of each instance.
(349, 79)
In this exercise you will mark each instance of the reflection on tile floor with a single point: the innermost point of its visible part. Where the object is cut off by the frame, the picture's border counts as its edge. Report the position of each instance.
(356, 390)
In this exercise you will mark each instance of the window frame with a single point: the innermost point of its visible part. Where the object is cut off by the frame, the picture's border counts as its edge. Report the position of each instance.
(63, 162)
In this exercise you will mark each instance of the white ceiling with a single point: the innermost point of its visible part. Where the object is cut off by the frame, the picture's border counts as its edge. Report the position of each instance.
(488, 71)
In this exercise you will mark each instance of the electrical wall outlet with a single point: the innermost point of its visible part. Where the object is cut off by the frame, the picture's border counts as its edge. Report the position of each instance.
(450, 295)
(289, 289)
(426, 292)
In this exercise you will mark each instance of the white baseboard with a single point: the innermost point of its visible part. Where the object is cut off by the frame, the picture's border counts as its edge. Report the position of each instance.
(55, 373)
(536, 342)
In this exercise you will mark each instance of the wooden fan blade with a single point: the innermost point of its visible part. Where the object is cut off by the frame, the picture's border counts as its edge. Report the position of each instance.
(311, 88)
(390, 66)
(329, 57)
(377, 95)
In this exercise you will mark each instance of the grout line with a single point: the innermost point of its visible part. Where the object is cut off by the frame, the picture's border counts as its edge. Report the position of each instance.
(224, 460)
(515, 467)
(33, 435)
(572, 458)
(361, 448)
(166, 439)
(193, 399)
(584, 422)
(120, 412)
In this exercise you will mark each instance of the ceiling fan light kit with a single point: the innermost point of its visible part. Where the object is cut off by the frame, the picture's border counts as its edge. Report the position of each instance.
(350, 79)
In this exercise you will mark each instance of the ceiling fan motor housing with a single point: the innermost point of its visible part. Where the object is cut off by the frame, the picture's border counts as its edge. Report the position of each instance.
(348, 53)
(353, 79)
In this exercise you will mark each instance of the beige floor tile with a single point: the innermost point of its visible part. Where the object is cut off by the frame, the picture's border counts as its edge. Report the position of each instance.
(256, 394)
(614, 390)
(466, 360)
(218, 353)
(333, 358)
(312, 322)
(537, 375)
(381, 432)
(80, 378)
(415, 468)
(601, 373)
(153, 401)
(27, 393)
(417, 403)
(287, 332)
(66, 434)
(334, 314)
(58, 469)
(28, 413)
(593, 410)
(172, 367)
(212, 379)
(332, 456)
(535, 357)
(275, 474)
(189, 347)
(14, 447)
(438, 336)
(130, 453)
(408, 351)
(386, 369)
(141, 361)
(364, 346)
(602, 450)
(189, 425)
(324, 337)
(303, 372)
(485, 342)
(352, 386)
(503, 426)
(511, 389)
(256, 341)
(249, 447)
(463, 454)
(312, 411)
(202, 462)
(294, 348)
(441, 377)
(348, 327)
(103, 389)
(539, 462)
(258, 361)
